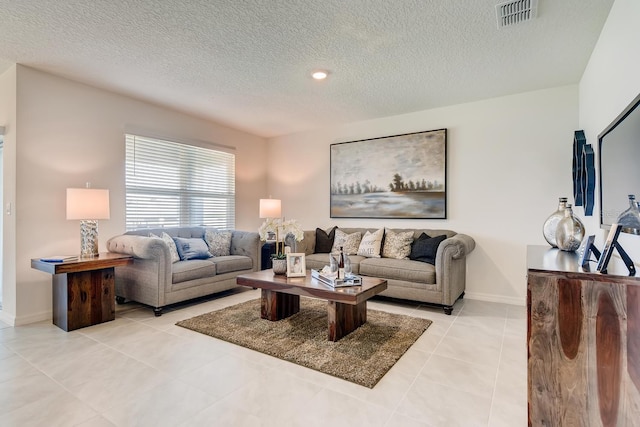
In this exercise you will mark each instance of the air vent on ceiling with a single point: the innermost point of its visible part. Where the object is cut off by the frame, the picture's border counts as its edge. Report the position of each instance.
(516, 11)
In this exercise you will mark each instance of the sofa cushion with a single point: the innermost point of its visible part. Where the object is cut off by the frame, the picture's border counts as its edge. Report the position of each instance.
(183, 271)
(370, 244)
(348, 242)
(398, 269)
(424, 248)
(397, 245)
(218, 241)
(192, 248)
(324, 241)
(228, 264)
(316, 261)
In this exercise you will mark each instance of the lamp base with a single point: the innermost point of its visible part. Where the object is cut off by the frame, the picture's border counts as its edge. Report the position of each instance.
(88, 239)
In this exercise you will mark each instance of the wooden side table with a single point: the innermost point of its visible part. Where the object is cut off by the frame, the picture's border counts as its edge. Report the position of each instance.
(83, 289)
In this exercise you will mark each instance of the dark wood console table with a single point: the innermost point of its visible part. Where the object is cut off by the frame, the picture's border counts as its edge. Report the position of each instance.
(83, 289)
(583, 337)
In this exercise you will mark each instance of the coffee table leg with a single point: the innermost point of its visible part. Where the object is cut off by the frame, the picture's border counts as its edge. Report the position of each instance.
(345, 318)
(277, 305)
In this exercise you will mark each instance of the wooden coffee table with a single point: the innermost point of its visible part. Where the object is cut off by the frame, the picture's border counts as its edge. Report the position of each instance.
(346, 307)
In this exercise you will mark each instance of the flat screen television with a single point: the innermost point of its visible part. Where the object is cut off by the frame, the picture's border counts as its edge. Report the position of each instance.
(619, 163)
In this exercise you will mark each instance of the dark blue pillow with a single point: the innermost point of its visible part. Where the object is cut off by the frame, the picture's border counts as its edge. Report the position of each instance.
(424, 248)
(192, 248)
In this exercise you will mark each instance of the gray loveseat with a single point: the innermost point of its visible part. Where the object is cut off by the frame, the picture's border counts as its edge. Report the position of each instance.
(154, 280)
(441, 284)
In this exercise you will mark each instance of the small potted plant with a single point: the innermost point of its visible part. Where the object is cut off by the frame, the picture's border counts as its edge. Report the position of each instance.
(281, 228)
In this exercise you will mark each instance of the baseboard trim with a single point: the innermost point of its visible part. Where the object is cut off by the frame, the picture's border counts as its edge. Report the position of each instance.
(495, 298)
(7, 318)
(33, 318)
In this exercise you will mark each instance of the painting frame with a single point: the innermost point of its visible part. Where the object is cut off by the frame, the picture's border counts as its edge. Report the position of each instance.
(397, 177)
(294, 258)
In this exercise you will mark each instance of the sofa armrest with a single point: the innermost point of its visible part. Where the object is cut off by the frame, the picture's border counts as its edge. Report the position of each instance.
(451, 266)
(457, 246)
(247, 243)
(149, 277)
(141, 247)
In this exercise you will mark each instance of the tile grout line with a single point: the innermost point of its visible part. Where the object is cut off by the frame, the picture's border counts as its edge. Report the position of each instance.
(495, 382)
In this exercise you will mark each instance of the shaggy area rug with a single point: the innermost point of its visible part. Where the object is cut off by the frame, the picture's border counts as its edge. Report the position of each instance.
(362, 357)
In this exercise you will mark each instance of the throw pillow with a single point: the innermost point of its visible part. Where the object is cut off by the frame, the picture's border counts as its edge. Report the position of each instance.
(218, 241)
(371, 243)
(397, 245)
(424, 248)
(324, 241)
(348, 242)
(169, 242)
(192, 248)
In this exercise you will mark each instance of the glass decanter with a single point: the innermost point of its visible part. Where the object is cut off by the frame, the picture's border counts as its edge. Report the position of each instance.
(570, 231)
(551, 224)
(630, 219)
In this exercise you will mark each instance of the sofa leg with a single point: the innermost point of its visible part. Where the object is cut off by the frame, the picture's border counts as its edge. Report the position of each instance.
(157, 311)
(119, 300)
(461, 296)
(448, 309)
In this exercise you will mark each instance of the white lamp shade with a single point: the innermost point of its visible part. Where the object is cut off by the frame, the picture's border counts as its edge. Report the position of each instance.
(270, 208)
(87, 203)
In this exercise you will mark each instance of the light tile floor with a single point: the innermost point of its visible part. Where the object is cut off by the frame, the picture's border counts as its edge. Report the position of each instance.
(468, 369)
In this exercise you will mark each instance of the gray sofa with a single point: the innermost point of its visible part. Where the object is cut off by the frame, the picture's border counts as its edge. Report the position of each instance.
(154, 280)
(441, 284)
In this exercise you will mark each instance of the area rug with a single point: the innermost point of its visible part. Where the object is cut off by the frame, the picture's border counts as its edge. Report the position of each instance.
(362, 357)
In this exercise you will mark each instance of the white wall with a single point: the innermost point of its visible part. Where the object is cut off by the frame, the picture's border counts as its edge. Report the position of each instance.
(610, 82)
(509, 159)
(8, 120)
(69, 134)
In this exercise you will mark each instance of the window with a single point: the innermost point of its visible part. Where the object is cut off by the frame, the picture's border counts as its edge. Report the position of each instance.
(169, 184)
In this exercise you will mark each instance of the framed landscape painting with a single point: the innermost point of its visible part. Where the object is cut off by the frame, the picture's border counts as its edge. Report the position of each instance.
(400, 176)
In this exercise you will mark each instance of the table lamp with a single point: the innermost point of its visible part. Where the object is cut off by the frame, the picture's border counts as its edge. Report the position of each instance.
(88, 205)
(270, 208)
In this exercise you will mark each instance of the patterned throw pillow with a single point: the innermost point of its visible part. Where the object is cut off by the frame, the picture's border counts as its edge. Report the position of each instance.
(371, 243)
(424, 249)
(171, 243)
(192, 248)
(348, 242)
(218, 241)
(397, 245)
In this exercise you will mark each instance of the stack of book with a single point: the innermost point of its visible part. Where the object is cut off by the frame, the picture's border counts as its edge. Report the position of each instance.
(60, 258)
(334, 281)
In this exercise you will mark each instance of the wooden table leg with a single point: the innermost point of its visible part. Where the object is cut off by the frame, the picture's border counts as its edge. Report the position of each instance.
(277, 305)
(83, 298)
(345, 318)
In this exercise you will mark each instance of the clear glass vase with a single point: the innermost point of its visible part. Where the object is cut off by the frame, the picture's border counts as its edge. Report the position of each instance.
(348, 269)
(570, 231)
(630, 219)
(551, 224)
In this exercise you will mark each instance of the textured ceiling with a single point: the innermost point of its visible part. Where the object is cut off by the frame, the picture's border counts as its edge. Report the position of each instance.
(247, 63)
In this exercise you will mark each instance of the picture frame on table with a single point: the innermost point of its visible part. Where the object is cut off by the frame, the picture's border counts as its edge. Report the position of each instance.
(296, 264)
(609, 246)
(588, 248)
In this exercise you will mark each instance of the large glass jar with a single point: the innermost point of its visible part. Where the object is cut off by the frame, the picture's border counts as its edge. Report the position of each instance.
(630, 219)
(551, 224)
(570, 231)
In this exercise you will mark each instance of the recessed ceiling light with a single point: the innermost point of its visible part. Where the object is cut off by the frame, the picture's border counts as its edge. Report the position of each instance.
(320, 74)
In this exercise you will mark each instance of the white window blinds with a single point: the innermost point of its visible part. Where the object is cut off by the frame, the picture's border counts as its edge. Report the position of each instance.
(169, 184)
